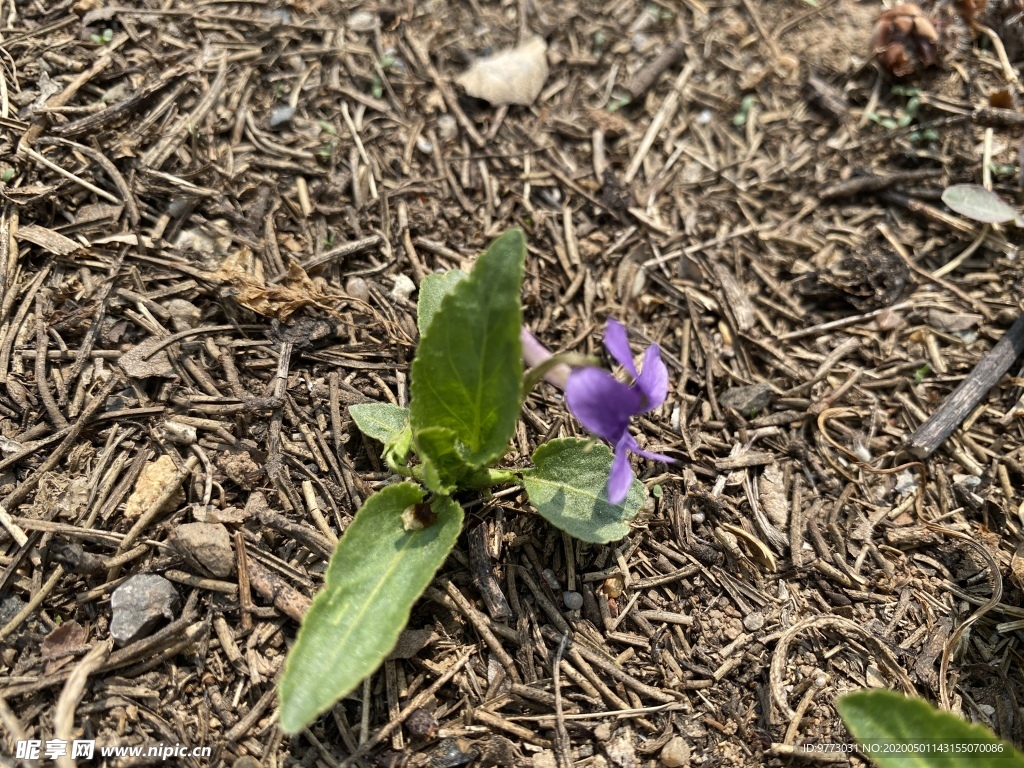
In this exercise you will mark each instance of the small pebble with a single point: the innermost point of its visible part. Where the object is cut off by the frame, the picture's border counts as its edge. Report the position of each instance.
(747, 400)
(888, 320)
(184, 314)
(138, 604)
(573, 600)
(550, 578)
(967, 481)
(451, 753)
(697, 517)
(424, 146)
(873, 677)
(446, 127)
(906, 482)
(404, 287)
(753, 621)
(421, 724)
(676, 753)
(206, 547)
(357, 288)
(10, 606)
(613, 586)
(362, 21)
(281, 116)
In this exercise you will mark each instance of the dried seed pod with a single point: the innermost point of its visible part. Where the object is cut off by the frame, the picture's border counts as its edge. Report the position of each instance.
(905, 40)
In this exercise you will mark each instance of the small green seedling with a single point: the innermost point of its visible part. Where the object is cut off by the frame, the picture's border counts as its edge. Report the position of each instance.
(741, 117)
(466, 392)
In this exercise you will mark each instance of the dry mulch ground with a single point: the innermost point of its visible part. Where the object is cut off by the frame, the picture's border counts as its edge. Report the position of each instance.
(165, 167)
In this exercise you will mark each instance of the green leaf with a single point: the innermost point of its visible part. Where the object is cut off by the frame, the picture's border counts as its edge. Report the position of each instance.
(977, 203)
(376, 574)
(397, 449)
(569, 489)
(433, 288)
(467, 372)
(381, 421)
(388, 424)
(901, 732)
(443, 465)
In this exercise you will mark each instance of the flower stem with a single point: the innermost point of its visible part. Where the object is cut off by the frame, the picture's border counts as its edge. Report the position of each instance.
(489, 477)
(552, 368)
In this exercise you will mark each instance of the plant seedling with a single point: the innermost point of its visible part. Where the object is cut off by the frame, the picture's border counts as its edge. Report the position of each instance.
(466, 390)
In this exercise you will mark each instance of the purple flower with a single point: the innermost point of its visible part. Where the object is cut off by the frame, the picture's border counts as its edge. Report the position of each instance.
(535, 353)
(604, 405)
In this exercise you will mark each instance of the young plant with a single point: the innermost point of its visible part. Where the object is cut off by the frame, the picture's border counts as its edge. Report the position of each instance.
(466, 390)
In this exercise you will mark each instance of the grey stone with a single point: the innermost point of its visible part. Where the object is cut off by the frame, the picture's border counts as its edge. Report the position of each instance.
(753, 621)
(747, 400)
(10, 607)
(138, 604)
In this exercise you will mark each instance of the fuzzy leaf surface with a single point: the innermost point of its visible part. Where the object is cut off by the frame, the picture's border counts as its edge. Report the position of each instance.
(443, 465)
(882, 721)
(468, 367)
(568, 487)
(381, 421)
(977, 203)
(376, 574)
(433, 288)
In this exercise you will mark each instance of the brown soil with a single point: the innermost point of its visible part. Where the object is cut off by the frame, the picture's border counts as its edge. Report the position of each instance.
(169, 167)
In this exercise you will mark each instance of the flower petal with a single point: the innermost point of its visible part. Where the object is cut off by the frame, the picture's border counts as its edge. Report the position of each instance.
(621, 476)
(601, 403)
(616, 341)
(632, 446)
(534, 353)
(653, 378)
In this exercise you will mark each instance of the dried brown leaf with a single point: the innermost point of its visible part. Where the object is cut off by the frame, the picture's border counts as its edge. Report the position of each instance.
(411, 642)
(48, 240)
(756, 548)
(70, 634)
(148, 359)
(66, 636)
(244, 273)
(772, 491)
